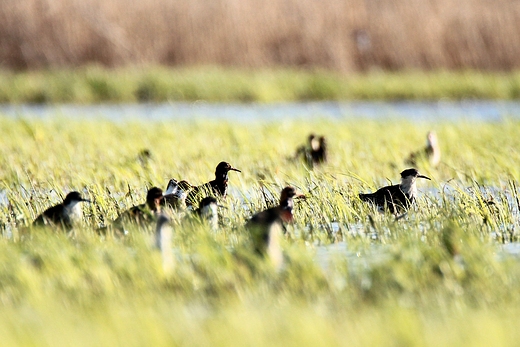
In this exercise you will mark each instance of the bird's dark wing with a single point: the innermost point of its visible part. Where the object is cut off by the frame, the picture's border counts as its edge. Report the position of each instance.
(389, 196)
(51, 215)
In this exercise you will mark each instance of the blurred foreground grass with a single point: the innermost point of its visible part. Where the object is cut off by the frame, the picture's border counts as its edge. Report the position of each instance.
(435, 278)
(95, 84)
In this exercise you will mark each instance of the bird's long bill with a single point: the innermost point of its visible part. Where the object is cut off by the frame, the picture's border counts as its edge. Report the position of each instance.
(422, 176)
(86, 200)
(300, 196)
(233, 169)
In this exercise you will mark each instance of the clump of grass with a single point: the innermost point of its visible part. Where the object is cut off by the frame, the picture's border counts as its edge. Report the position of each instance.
(394, 281)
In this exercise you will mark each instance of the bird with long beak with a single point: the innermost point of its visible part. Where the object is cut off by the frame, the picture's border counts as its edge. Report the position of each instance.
(266, 226)
(143, 214)
(399, 197)
(175, 194)
(216, 187)
(66, 214)
(432, 151)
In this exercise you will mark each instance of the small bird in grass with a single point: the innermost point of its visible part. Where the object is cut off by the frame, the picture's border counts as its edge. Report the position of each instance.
(175, 194)
(432, 152)
(266, 226)
(207, 212)
(66, 215)
(144, 157)
(216, 187)
(315, 152)
(143, 214)
(397, 197)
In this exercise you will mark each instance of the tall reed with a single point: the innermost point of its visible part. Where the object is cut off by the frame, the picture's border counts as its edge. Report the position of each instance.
(355, 35)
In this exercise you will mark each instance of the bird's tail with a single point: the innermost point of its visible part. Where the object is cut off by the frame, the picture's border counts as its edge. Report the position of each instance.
(367, 197)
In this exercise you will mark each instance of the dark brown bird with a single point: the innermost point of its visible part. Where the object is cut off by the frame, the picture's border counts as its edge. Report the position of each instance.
(319, 154)
(216, 187)
(65, 215)
(431, 153)
(143, 214)
(397, 197)
(315, 152)
(266, 226)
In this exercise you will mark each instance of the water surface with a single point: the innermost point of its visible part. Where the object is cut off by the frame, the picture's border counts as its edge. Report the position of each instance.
(472, 110)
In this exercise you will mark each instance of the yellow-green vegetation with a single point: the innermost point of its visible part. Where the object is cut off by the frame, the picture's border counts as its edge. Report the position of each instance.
(437, 277)
(95, 84)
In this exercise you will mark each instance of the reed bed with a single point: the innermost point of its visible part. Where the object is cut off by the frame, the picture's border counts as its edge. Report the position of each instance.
(344, 36)
(435, 278)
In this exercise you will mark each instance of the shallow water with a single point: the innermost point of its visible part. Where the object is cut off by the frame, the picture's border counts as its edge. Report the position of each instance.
(472, 110)
(481, 110)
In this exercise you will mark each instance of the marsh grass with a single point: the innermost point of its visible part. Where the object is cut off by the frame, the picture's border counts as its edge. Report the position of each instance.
(435, 277)
(94, 84)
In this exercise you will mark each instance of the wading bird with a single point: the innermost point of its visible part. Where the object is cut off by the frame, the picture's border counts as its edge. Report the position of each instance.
(315, 152)
(216, 187)
(267, 226)
(141, 215)
(432, 152)
(66, 215)
(397, 197)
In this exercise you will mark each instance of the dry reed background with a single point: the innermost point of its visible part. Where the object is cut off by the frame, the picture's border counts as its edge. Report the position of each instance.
(353, 35)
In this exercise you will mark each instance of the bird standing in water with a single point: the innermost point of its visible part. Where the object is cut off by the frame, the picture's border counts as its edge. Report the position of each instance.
(266, 226)
(399, 197)
(216, 187)
(432, 152)
(65, 215)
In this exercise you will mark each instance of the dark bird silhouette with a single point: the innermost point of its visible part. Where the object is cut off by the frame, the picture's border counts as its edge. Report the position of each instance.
(175, 194)
(144, 157)
(65, 215)
(314, 152)
(397, 197)
(432, 152)
(216, 187)
(141, 215)
(266, 226)
(319, 155)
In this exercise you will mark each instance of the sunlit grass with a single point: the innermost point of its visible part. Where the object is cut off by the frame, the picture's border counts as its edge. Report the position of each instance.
(95, 84)
(436, 277)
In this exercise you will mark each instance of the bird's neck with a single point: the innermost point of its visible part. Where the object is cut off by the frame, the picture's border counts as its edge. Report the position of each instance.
(220, 184)
(287, 204)
(221, 176)
(286, 210)
(73, 211)
(408, 187)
